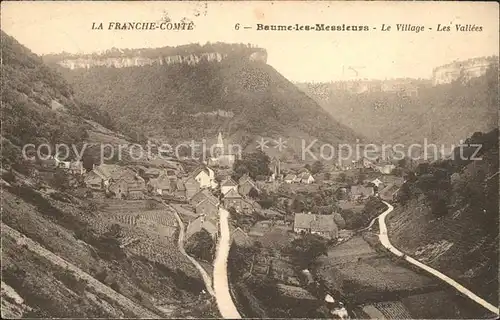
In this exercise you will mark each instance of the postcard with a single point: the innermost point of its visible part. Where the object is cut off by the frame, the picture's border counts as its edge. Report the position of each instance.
(250, 159)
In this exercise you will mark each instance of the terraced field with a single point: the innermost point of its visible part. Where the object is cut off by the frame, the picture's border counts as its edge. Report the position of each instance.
(393, 310)
(151, 234)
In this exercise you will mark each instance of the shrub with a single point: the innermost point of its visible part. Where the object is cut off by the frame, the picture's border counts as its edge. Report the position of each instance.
(115, 286)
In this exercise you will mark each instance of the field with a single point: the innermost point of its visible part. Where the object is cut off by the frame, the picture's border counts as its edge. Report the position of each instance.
(154, 231)
(456, 245)
(359, 271)
(444, 304)
(373, 282)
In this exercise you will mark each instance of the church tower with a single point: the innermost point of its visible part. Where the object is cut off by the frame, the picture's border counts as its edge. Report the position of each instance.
(219, 147)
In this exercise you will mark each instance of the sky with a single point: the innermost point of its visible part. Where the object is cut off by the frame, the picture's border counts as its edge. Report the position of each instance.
(53, 27)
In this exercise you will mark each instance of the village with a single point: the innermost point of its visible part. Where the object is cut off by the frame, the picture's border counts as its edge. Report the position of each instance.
(271, 210)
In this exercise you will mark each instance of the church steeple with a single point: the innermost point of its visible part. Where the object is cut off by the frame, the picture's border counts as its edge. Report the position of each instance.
(220, 142)
(219, 147)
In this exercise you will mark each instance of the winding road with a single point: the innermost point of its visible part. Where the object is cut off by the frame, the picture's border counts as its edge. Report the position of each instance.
(384, 239)
(206, 278)
(221, 283)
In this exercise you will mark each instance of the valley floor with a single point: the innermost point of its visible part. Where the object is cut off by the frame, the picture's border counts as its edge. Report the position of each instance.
(376, 284)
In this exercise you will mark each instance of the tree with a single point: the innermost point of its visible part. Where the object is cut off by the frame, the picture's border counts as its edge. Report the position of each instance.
(361, 178)
(254, 164)
(402, 163)
(339, 220)
(422, 168)
(253, 193)
(297, 205)
(151, 204)
(114, 231)
(201, 245)
(60, 180)
(316, 167)
(342, 177)
(88, 161)
(306, 249)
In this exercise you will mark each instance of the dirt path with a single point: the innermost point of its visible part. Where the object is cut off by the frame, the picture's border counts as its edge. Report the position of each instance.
(99, 287)
(221, 283)
(206, 278)
(384, 239)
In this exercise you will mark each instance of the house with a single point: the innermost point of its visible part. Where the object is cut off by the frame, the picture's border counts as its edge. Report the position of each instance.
(305, 177)
(243, 178)
(202, 195)
(109, 170)
(174, 165)
(361, 192)
(323, 225)
(128, 184)
(49, 163)
(241, 238)
(227, 185)
(246, 187)
(180, 190)
(205, 177)
(63, 164)
(201, 223)
(207, 208)
(94, 180)
(234, 200)
(386, 168)
(342, 192)
(377, 182)
(290, 178)
(152, 173)
(119, 189)
(161, 184)
(364, 163)
(76, 167)
(192, 187)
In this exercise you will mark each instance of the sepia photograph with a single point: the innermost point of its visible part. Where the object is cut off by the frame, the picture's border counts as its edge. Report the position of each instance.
(249, 159)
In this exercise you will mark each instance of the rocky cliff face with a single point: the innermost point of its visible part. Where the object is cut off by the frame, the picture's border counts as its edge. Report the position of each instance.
(138, 61)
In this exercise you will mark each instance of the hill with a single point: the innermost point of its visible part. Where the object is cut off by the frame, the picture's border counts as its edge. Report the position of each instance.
(443, 114)
(447, 216)
(193, 92)
(63, 253)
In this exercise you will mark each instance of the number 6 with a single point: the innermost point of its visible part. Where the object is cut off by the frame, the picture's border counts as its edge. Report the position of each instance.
(237, 26)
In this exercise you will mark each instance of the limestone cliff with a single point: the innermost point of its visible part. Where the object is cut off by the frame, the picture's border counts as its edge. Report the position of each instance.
(118, 58)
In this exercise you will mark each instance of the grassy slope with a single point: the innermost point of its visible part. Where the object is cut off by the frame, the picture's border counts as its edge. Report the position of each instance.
(175, 284)
(470, 224)
(163, 99)
(70, 226)
(442, 114)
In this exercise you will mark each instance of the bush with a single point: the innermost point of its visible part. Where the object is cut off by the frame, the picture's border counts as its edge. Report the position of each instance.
(59, 196)
(9, 176)
(102, 275)
(72, 282)
(306, 249)
(201, 246)
(151, 204)
(115, 286)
